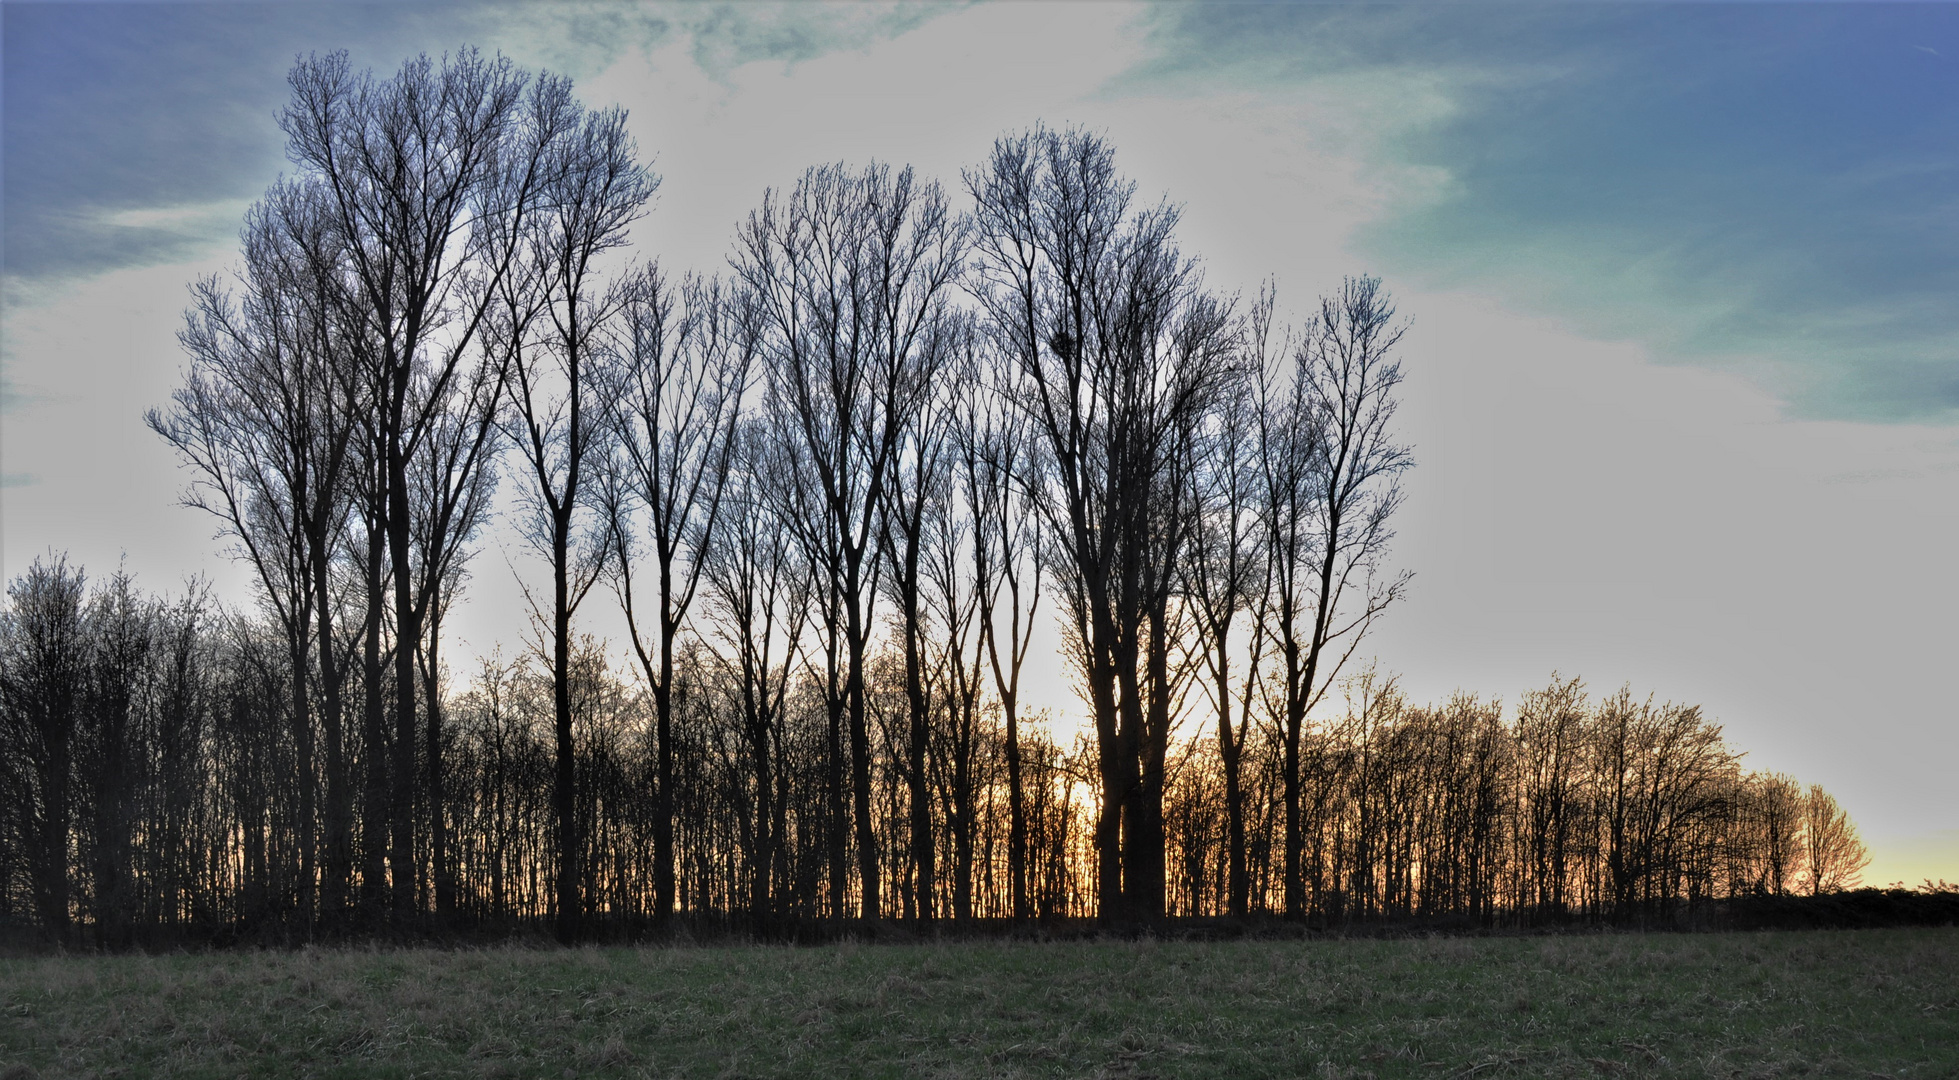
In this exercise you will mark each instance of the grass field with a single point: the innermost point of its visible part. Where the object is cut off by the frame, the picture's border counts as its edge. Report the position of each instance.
(1823, 1003)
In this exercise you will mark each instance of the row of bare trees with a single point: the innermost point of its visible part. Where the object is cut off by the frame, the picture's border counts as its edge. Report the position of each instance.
(149, 800)
(837, 492)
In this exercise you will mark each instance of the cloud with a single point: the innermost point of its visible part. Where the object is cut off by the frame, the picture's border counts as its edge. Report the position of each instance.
(115, 110)
(1763, 189)
(1766, 190)
(128, 126)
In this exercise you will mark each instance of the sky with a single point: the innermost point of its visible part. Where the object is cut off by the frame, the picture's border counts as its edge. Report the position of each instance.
(1682, 371)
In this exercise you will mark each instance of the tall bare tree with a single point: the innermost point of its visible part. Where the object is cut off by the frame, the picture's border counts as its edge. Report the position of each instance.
(267, 420)
(676, 390)
(451, 483)
(1330, 488)
(423, 188)
(550, 330)
(1223, 575)
(993, 445)
(957, 578)
(852, 270)
(1118, 353)
(911, 519)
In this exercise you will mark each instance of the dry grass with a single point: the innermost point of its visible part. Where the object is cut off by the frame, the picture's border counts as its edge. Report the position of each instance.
(1849, 1003)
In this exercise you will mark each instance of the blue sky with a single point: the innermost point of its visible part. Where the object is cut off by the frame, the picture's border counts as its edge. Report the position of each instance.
(1684, 379)
(1771, 185)
(117, 107)
(1774, 187)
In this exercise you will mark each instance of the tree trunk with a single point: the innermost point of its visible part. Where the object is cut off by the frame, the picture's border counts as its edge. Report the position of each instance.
(563, 797)
(923, 851)
(408, 635)
(302, 728)
(860, 763)
(374, 814)
(441, 875)
(339, 856)
(663, 855)
(1016, 815)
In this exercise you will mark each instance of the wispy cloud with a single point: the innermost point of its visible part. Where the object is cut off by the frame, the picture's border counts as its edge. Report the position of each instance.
(132, 131)
(1766, 189)
(123, 120)
(1762, 188)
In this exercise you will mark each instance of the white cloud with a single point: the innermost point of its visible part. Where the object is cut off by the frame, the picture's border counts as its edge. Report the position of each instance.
(190, 217)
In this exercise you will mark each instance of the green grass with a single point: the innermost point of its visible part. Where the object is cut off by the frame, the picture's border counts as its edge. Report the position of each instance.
(1842, 1003)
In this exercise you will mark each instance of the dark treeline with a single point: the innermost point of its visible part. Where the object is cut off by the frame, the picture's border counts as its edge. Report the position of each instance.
(835, 492)
(149, 799)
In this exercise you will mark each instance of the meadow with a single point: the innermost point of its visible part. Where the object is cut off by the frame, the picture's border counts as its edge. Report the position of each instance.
(1772, 1004)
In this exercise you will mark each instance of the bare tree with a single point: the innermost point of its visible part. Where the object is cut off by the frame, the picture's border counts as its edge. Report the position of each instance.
(916, 500)
(1833, 855)
(451, 484)
(676, 393)
(1331, 485)
(851, 270)
(958, 578)
(1661, 771)
(1223, 575)
(122, 636)
(267, 420)
(43, 661)
(550, 329)
(1550, 734)
(758, 596)
(1118, 353)
(1777, 808)
(422, 190)
(993, 446)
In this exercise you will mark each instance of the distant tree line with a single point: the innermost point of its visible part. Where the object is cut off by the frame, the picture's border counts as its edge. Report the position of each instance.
(148, 798)
(834, 491)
